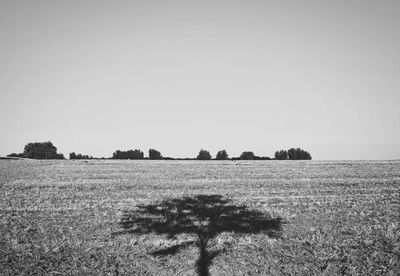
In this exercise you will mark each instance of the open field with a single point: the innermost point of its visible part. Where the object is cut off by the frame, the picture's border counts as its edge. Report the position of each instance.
(289, 217)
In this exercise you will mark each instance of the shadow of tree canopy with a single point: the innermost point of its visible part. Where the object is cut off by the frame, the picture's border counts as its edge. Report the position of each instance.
(205, 216)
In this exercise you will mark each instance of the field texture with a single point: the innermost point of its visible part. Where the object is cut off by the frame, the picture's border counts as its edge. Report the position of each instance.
(199, 217)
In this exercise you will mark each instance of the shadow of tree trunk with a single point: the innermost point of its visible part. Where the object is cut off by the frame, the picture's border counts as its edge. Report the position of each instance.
(204, 260)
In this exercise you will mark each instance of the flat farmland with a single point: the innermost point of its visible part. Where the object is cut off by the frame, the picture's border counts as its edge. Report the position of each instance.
(106, 217)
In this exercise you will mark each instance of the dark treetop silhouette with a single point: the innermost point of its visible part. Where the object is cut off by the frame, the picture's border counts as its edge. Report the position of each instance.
(202, 215)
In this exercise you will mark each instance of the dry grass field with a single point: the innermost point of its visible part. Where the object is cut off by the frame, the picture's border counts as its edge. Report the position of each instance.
(198, 217)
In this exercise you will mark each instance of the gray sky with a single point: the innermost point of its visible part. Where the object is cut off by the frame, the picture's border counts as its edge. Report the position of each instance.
(178, 76)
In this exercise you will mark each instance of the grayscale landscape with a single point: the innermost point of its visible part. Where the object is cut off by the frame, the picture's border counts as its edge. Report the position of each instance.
(208, 137)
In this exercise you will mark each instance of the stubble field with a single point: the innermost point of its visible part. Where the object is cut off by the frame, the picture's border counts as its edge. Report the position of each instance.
(198, 217)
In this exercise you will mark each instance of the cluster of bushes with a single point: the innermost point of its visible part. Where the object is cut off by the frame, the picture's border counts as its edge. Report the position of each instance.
(298, 154)
(223, 155)
(137, 154)
(203, 155)
(43, 150)
(19, 155)
(73, 155)
(293, 154)
(46, 150)
(129, 154)
(281, 155)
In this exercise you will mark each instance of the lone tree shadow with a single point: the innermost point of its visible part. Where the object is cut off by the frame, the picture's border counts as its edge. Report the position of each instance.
(205, 216)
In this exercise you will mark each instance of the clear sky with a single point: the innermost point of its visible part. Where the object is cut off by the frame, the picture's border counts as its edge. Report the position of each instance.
(178, 76)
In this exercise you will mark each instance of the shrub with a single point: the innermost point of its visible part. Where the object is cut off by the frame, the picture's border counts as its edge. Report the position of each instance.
(247, 155)
(222, 155)
(44, 150)
(154, 154)
(298, 154)
(168, 158)
(16, 155)
(281, 155)
(130, 154)
(73, 155)
(204, 155)
(60, 156)
(262, 158)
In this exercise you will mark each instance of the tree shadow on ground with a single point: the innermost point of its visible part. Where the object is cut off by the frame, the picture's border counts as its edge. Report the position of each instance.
(205, 216)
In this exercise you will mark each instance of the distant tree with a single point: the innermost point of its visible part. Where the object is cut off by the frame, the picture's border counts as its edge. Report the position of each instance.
(60, 156)
(292, 154)
(117, 154)
(281, 155)
(44, 150)
(136, 154)
(130, 154)
(222, 155)
(204, 155)
(298, 154)
(154, 154)
(247, 155)
(72, 155)
(305, 155)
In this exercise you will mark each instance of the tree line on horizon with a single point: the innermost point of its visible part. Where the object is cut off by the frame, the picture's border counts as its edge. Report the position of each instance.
(46, 150)
(43, 150)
